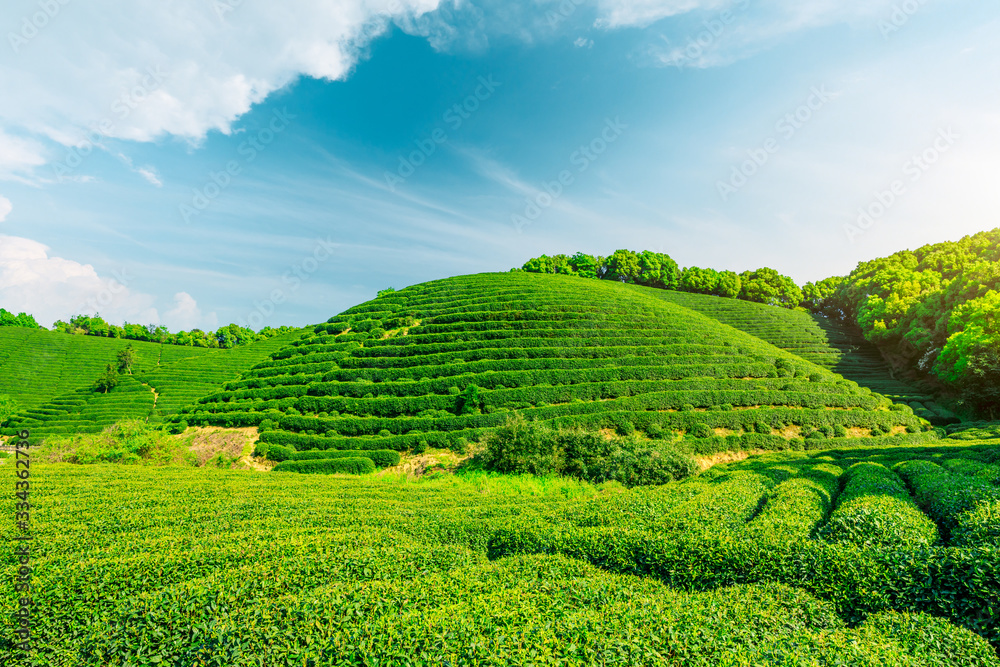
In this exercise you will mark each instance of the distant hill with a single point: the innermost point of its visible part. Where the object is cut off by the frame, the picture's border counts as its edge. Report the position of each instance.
(818, 339)
(56, 371)
(449, 360)
(37, 365)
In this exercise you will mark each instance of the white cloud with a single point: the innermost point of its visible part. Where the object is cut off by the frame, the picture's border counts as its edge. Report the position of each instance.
(150, 175)
(52, 288)
(18, 156)
(186, 315)
(581, 42)
(789, 15)
(5, 208)
(143, 70)
(621, 13)
(720, 32)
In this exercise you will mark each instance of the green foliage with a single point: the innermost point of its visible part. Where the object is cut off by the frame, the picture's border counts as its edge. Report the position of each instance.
(107, 381)
(57, 396)
(131, 442)
(382, 458)
(718, 570)
(278, 453)
(346, 466)
(659, 271)
(530, 447)
(934, 310)
(227, 337)
(751, 523)
(875, 509)
(8, 406)
(125, 359)
(23, 320)
(522, 447)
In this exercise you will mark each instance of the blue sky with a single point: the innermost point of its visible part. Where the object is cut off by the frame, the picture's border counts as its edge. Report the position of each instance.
(196, 163)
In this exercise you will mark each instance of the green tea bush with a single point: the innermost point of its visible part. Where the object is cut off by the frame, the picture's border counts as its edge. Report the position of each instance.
(348, 466)
(979, 526)
(875, 509)
(279, 453)
(382, 458)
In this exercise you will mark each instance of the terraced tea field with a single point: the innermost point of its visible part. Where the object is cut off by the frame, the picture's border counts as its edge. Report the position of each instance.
(813, 337)
(451, 360)
(159, 386)
(781, 559)
(37, 365)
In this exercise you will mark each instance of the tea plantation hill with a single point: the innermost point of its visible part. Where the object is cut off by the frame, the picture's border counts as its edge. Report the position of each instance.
(445, 362)
(37, 365)
(164, 378)
(820, 340)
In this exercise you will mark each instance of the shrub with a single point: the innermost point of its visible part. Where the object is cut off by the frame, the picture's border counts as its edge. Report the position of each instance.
(280, 453)
(382, 458)
(528, 447)
(177, 428)
(350, 466)
(702, 430)
(522, 447)
(625, 428)
(420, 447)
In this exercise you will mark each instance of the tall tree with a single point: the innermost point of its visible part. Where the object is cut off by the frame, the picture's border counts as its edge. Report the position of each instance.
(107, 381)
(126, 357)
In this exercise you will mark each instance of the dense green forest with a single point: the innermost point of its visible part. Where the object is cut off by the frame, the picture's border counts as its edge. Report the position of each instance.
(933, 313)
(9, 319)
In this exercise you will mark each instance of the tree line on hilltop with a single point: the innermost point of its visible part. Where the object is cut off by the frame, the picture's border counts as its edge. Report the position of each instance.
(655, 269)
(226, 337)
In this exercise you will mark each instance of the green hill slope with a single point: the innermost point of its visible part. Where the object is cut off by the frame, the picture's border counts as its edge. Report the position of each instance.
(38, 365)
(812, 337)
(182, 382)
(451, 359)
(155, 390)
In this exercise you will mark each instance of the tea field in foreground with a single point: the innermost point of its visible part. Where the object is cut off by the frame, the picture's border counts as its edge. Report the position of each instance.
(878, 557)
